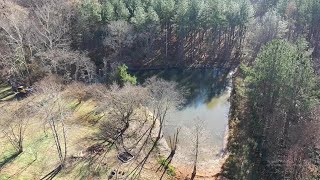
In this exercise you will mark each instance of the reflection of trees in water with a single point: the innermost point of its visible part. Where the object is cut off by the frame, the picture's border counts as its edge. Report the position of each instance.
(201, 84)
(208, 149)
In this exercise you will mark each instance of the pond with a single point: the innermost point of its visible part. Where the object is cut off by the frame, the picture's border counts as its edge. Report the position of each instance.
(207, 106)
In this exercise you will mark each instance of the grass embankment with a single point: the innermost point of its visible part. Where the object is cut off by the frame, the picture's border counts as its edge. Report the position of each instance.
(82, 126)
(6, 92)
(39, 156)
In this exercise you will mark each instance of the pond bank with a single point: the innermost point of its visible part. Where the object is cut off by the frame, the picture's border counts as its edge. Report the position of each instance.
(215, 115)
(208, 168)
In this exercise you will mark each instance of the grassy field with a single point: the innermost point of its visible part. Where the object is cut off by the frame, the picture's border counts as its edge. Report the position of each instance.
(40, 155)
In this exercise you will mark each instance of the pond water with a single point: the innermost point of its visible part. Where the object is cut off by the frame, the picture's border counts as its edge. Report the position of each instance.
(207, 106)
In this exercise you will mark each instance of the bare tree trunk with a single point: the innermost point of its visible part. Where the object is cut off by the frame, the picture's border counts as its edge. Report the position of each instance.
(173, 147)
(20, 146)
(166, 41)
(193, 175)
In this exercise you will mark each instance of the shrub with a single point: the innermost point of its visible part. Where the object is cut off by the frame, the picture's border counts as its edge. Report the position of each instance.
(124, 77)
(171, 171)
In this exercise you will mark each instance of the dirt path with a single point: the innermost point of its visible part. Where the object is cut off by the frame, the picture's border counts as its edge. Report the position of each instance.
(203, 170)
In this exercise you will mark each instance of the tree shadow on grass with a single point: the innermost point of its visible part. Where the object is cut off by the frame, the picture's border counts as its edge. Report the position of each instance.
(8, 159)
(23, 169)
(53, 173)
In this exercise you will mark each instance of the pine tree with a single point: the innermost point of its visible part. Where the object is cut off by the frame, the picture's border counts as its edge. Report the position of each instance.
(91, 10)
(140, 17)
(181, 18)
(121, 11)
(280, 90)
(107, 12)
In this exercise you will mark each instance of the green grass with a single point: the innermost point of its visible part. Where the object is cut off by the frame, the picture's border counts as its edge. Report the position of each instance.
(2, 84)
(5, 88)
(7, 156)
(6, 153)
(6, 92)
(4, 176)
(86, 112)
(84, 170)
(40, 155)
(73, 105)
(171, 171)
(9, 97)
(34, 156)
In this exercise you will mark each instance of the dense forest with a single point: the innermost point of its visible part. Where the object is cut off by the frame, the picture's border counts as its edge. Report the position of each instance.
(75, 57)
(87, 40)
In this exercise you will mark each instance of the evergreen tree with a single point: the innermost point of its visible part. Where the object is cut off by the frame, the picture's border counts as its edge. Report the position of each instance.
(91, 10)
(280, 89)
(181, 18)
(121, 10)
(124, 77)
(140, 17)
(165, 10)
(152, 16)
(107, 12)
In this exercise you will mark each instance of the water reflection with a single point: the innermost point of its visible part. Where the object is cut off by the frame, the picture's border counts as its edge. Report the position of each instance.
(207, 100)
(213, 115)
(202, 84)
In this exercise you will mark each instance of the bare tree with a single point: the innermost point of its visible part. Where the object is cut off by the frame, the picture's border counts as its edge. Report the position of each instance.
(14, 122)
(173, 142)
(72, 65)
(79, 91)
(54, 113)
(51, 24)
(51, 20)
(164, 97)
(119, 34)
(159, 96)
(122, 103)
(16, 39)
(120, 106)
(198, 132)
(37, 27)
